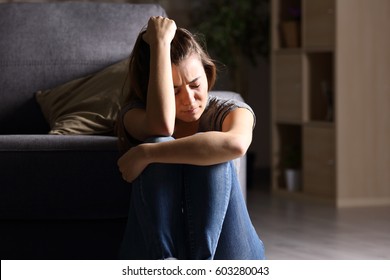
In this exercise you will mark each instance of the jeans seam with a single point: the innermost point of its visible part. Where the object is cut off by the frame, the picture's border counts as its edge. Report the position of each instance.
(188, 212)
(228, 179)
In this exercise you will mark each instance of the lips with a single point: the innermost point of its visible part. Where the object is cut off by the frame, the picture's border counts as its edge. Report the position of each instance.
(191, 110)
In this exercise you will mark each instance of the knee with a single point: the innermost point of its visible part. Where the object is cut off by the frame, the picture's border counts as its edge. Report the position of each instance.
(218, 174)
(224, 167)
(159, 170)
(159, 139)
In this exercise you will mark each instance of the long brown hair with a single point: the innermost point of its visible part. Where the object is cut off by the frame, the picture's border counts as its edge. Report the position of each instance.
(183, 45)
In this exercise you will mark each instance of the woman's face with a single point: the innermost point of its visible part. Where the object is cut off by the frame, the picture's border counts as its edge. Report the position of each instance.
(191, 88)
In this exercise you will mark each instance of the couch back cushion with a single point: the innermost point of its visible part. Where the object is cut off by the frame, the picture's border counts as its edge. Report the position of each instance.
(43, 45)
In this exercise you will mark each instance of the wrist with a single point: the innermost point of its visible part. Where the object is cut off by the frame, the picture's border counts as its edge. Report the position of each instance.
(160, 47)
(146, 153)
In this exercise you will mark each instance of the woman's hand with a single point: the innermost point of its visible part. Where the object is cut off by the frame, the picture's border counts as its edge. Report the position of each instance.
(159, 30)
(133, 162)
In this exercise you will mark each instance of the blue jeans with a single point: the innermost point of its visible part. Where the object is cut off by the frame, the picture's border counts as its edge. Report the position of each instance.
(189, 212)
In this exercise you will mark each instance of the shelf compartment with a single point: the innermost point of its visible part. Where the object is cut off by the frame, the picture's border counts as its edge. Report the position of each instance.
(320, 79)
(319, 160)
(288, 24)
(288, 153)
(319, 24)
(289, 102)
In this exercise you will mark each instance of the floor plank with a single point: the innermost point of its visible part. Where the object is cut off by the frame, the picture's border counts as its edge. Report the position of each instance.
(302, 229)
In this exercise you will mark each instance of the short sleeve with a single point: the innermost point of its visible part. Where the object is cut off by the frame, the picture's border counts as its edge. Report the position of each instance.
(216, 111)
(132, 105)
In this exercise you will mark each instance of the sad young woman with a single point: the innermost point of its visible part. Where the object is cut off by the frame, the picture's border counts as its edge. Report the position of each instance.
(186, 200)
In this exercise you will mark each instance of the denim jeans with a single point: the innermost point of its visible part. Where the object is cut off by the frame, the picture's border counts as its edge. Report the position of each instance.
(189, 212)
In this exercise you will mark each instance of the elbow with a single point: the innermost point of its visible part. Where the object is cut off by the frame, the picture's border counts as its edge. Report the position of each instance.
(160, 125)
(241, 150)
(165, 133)
(165, 129)
(161, 129)
(238, 147)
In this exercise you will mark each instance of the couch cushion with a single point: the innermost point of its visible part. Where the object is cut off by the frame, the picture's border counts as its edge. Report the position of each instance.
(88, 105)
(47, 44)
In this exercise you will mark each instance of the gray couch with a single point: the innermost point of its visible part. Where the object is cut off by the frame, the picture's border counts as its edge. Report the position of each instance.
(61, 197)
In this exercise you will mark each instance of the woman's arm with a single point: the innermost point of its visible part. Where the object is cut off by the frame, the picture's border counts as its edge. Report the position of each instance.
(159, 116)
(199, 149)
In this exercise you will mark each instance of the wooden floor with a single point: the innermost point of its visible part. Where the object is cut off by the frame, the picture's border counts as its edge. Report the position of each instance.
(301, 229)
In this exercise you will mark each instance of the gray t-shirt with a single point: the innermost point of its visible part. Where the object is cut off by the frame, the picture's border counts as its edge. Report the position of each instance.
(212, 118)
(216, 110)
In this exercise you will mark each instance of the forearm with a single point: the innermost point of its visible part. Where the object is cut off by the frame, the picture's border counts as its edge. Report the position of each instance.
(200, 149)
(206, 148)
(160, 110)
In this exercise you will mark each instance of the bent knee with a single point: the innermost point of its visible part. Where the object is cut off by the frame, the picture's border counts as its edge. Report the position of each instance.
(159, 139)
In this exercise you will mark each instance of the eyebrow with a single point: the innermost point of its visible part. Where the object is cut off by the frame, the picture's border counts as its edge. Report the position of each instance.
(193, 81)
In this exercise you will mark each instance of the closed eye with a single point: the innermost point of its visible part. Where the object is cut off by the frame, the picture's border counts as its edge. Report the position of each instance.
(195, 86)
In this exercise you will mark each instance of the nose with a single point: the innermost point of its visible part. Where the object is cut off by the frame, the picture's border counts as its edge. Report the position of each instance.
(188, 96)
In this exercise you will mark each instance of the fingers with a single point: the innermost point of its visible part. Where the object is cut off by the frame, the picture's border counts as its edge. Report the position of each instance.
(125, 176)
(122, 169)
(160, 19)
(131, 165)
(125, 179)
(159, 29)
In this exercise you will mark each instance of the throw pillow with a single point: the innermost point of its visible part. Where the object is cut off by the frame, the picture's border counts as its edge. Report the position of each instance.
(88, 105)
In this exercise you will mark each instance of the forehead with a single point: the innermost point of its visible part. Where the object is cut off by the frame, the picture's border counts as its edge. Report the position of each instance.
(188, 68)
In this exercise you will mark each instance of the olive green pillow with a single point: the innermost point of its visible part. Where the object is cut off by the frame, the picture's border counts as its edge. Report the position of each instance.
(88, 105)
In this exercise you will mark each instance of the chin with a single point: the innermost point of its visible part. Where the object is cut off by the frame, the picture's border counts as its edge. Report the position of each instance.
(189, 119)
